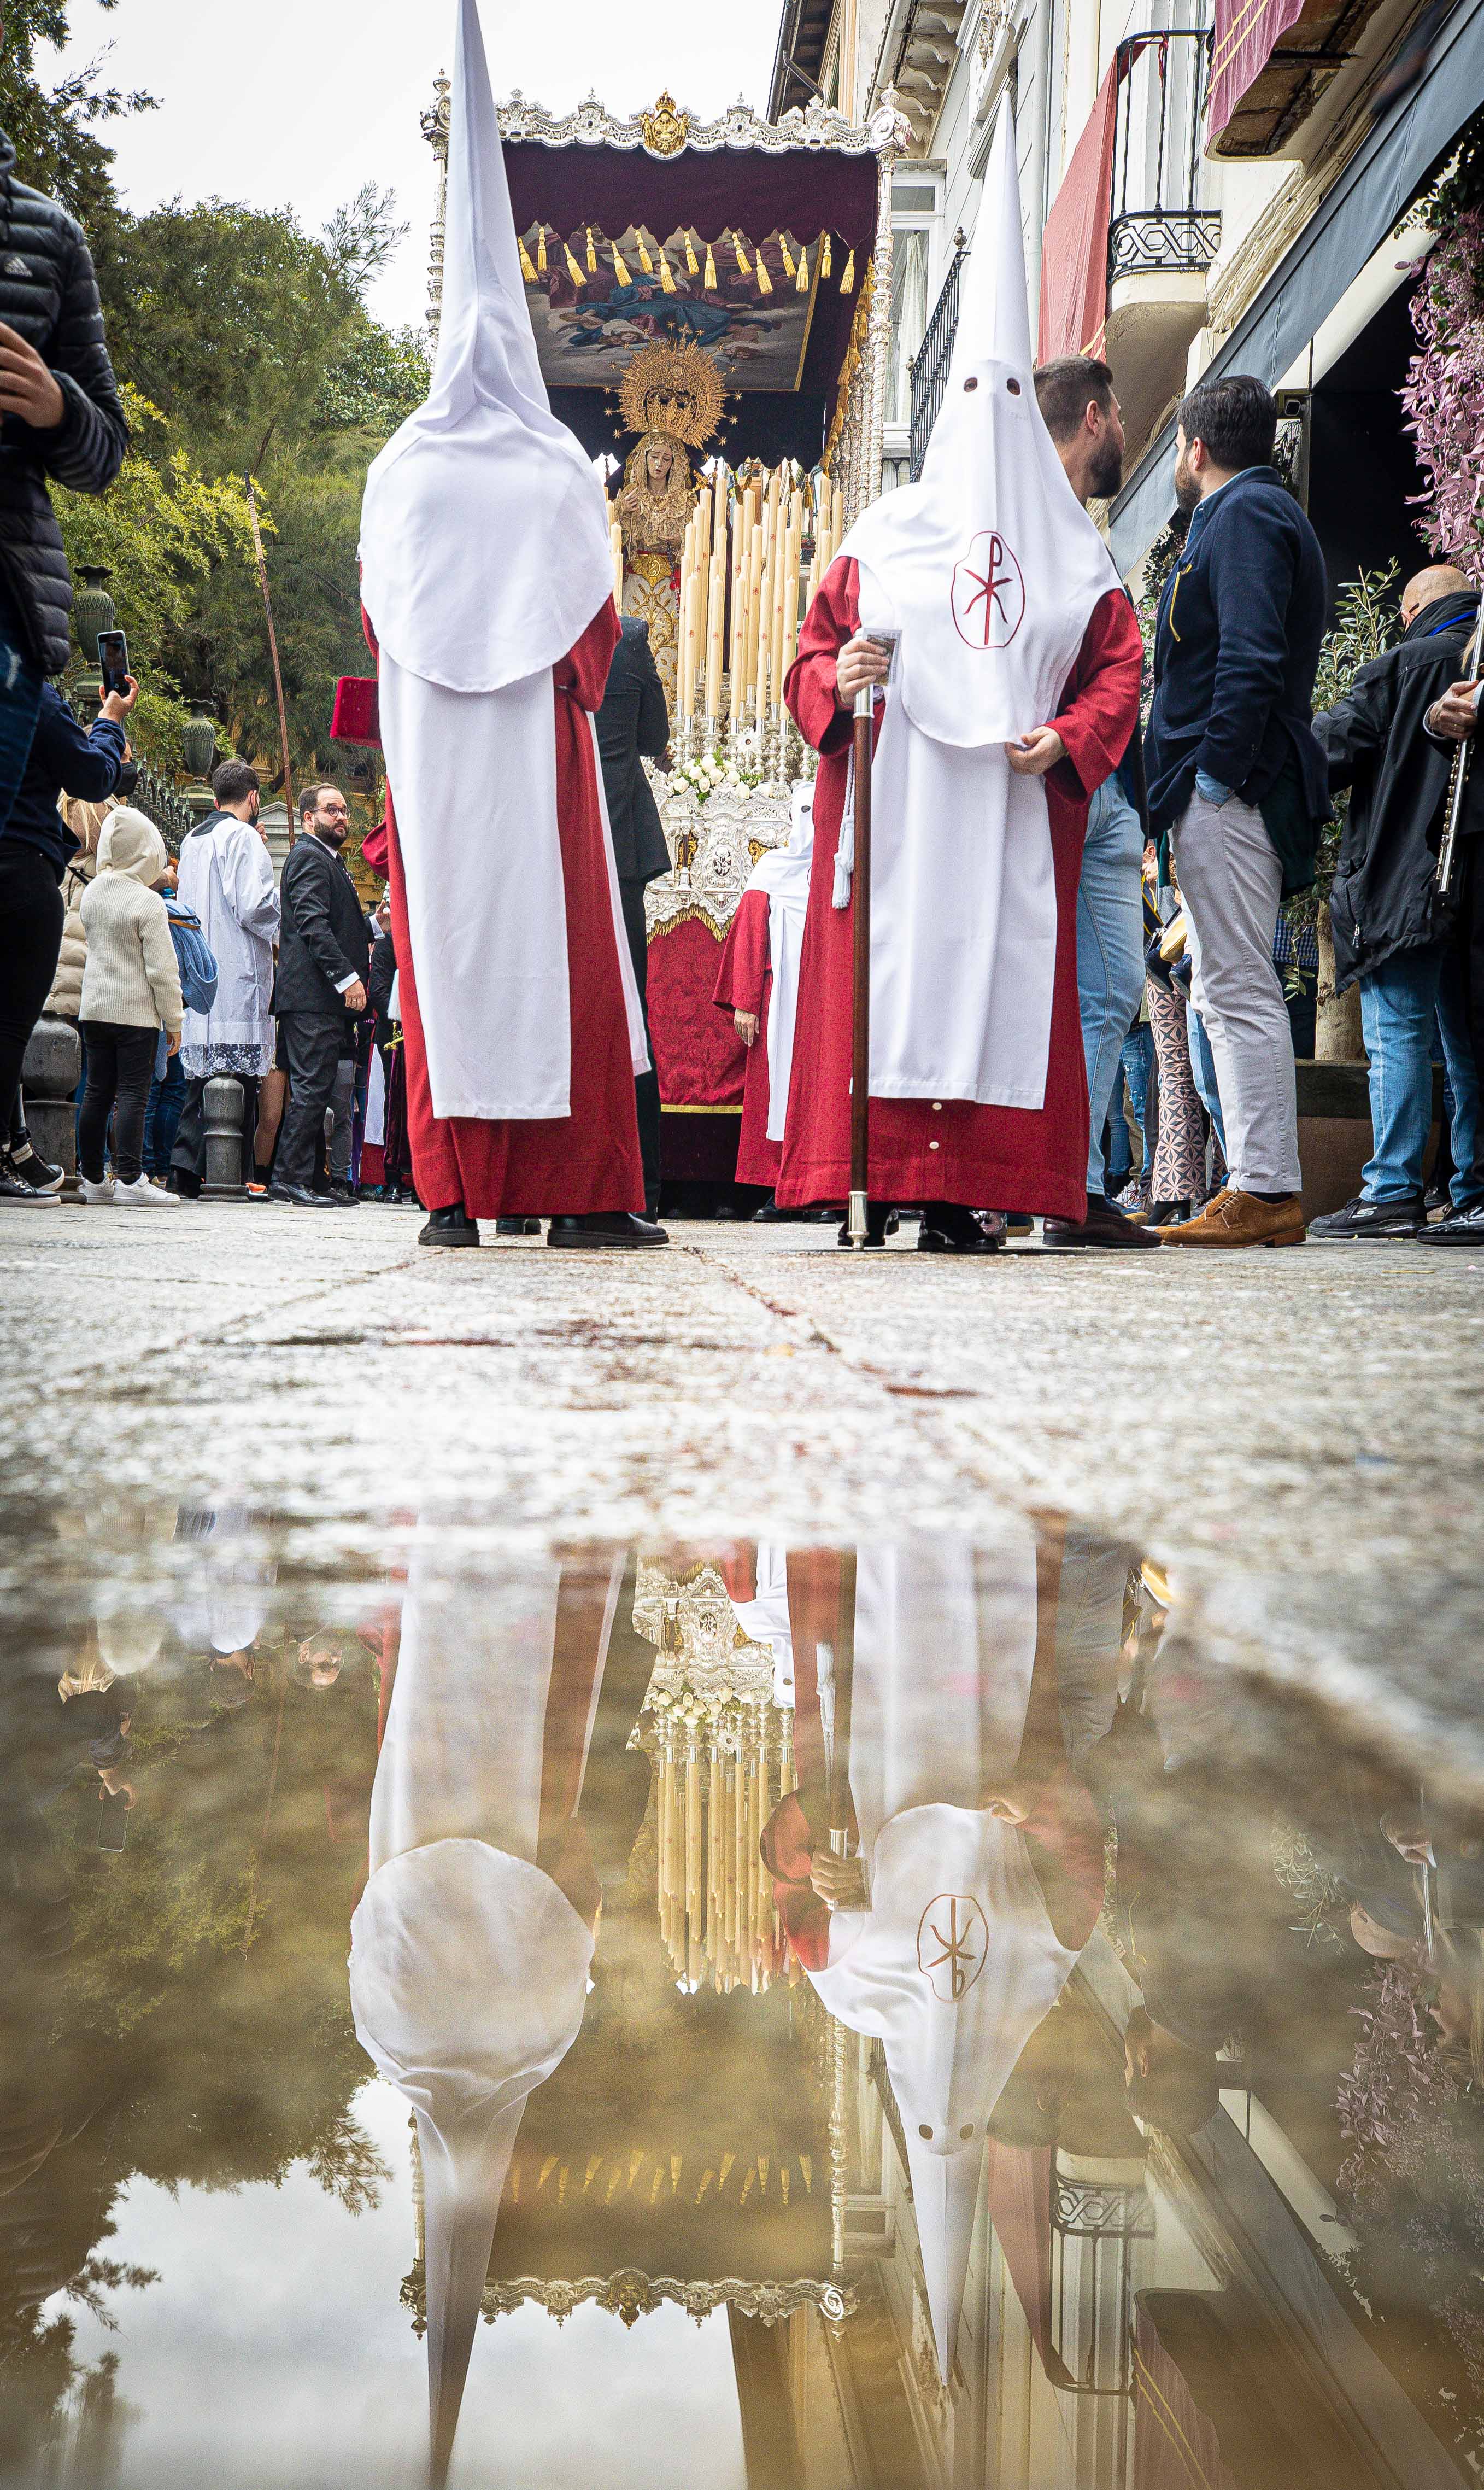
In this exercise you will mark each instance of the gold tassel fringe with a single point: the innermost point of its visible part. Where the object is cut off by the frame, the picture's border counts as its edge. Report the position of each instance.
(592, 254)
(788, 255)
(825, 256)
(736, 244)
(527, 268)
(692, 262)
(709, 280)
(541, 251)
(849, 279)
(573, 270)
(644, 260)
(803, 276)
(764, 280)
(666, 281)
(620, 268)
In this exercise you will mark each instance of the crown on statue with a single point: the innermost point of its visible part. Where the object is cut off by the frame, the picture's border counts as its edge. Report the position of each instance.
(675, 389)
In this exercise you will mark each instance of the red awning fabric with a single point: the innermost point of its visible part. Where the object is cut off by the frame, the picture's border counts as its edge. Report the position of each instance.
(1021, 2215)
(1075, 249)
(1246, 32)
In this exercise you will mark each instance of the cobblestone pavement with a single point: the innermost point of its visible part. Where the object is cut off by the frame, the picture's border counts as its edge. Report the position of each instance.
(1298, 1434)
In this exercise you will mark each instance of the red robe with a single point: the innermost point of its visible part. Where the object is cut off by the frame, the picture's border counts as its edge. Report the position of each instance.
(588, 1159)
(988, 1158)
(745, 983)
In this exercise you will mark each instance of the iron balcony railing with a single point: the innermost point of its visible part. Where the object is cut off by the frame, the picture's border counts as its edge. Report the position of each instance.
(930, 363)
(1158, 220)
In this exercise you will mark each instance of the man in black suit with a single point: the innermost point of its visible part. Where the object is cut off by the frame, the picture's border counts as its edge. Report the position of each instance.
(634, 720)
(319, 993)
(1238, 782)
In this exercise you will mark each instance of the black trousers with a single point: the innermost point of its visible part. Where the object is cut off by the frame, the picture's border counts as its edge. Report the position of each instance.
(121, 1060)
(31, 920)
(313, 1042)
(187, 1154)
(646, 1084)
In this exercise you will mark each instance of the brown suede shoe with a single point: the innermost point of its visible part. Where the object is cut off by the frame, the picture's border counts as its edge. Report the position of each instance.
(1236, 1218)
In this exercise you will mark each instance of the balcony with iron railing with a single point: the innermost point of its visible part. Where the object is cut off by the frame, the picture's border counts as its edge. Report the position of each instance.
(930, 363)
(1162, 236)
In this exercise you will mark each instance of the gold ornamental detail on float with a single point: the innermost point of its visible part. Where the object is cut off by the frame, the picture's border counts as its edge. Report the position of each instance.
(666, 127)
(674, 390)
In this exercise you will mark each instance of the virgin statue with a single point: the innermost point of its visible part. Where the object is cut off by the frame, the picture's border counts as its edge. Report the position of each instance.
(653, 505)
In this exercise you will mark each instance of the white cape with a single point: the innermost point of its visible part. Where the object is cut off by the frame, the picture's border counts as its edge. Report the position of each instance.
(783, 875)
(226, 876)
(992, 571)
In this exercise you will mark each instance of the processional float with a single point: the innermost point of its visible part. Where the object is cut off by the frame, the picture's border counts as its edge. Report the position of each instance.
(711, 304)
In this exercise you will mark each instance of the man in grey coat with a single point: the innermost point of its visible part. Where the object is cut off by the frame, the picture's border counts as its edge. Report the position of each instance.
(634, 721)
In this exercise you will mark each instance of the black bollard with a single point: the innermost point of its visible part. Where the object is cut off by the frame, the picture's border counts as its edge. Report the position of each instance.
(225, 1113)
(48, 1080)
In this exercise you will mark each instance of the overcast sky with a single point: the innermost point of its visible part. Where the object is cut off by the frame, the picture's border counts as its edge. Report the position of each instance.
(299, 102)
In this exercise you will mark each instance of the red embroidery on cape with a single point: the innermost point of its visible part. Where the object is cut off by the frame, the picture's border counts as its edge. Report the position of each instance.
(988, 593)
(953, 1940)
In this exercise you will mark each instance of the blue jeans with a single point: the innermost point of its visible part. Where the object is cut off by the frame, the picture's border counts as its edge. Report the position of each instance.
(20, 697)
(1397, 1005)
(162, 1116)
(1135, 1057)
(1110, 951)
(1203, 1069)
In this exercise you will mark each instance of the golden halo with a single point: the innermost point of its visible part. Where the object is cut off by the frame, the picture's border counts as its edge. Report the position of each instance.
(676, 390)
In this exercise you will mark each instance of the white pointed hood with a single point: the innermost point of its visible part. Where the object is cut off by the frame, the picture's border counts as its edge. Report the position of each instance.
(484, 539)
(945, 2201)
(989, 566)
(469, 1965)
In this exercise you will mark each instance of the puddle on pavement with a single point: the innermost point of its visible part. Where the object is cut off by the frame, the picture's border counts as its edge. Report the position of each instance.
(746, 2018)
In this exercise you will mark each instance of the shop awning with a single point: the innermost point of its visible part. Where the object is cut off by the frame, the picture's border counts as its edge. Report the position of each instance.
(1409, 141)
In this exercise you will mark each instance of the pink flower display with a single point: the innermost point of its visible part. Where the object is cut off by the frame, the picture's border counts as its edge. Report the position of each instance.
(1443, 394)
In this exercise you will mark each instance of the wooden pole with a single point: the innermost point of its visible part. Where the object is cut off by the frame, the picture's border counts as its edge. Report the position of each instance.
(272, 650)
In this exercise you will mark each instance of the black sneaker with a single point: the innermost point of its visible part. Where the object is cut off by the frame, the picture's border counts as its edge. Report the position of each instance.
(15, 1188)
(1363, 1222)
(24, 1159)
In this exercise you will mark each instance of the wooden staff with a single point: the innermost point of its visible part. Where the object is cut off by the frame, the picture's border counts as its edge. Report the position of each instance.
(272, 650)
(839, 1796)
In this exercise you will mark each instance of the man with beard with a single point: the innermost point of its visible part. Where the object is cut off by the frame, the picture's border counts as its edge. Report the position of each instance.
(1076, 396)
(1238, 782)
(324, 959)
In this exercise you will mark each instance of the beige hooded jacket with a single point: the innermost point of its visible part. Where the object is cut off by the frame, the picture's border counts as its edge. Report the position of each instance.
(130, 975)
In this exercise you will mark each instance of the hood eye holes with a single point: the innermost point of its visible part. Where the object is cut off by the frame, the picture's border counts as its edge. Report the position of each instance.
(970, 384)
(1014, 388)
(926, 2132)
(964, 2134)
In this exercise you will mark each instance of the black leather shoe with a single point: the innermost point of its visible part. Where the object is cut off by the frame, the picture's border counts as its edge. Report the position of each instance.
(1104, 1225)
(451, 1226)
(301, 1196)
(1462, 1227)
(345, 1195)
(606, 1228)
(1167, 1214)
(881, 1221)
(517, 1227)
(948, 1227)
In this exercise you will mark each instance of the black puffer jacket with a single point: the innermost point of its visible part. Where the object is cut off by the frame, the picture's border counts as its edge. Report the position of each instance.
(49, 294)
(1384, 900)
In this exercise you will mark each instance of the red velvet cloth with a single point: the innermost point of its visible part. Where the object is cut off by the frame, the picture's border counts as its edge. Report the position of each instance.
(355, 718)
(699, 1059)
(989, 1158)
(745, 983)
(588, 1159)
(373, 849)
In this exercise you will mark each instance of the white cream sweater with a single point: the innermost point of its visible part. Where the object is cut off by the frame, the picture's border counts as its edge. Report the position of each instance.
(130, 975)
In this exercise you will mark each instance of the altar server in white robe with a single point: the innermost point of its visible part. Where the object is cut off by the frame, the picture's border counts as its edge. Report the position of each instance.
(977, 1877)
(471, 1941)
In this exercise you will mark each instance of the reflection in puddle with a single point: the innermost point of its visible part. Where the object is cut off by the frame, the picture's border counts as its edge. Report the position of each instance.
(891, 2016)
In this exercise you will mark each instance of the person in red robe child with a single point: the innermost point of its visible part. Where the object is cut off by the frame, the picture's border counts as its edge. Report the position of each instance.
(985, 602)
(486, 581)
(757, 982)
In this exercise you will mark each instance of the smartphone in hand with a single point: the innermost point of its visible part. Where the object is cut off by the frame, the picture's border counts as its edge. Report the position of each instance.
(113, 1820)
(113, 662)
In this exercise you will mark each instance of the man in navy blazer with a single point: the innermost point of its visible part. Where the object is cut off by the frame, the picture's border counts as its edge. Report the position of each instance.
(1238, 782)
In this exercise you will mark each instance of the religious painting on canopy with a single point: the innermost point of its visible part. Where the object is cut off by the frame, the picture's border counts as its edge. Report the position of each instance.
(596, 305)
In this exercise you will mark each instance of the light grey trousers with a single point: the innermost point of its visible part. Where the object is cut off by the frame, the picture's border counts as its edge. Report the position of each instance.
(1231, 883)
